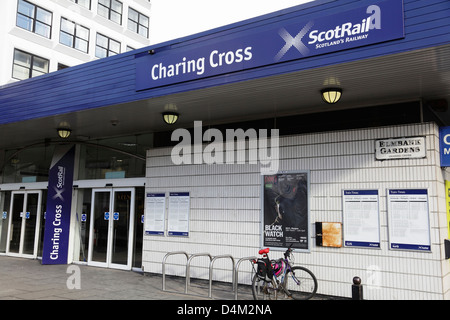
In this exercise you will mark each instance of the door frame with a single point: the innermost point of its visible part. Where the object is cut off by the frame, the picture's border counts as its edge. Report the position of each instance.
(23, 224)
(109, 245)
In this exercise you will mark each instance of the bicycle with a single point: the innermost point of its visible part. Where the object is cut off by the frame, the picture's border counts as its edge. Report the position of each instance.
(274, 282)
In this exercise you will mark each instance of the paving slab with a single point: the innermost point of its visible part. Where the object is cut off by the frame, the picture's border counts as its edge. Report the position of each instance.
(27, 279)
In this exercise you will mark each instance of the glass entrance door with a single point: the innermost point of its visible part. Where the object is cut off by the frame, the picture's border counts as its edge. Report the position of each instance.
(24, 223)
(112, 227)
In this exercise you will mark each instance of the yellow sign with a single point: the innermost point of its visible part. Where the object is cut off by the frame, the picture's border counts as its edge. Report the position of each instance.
(447, 205)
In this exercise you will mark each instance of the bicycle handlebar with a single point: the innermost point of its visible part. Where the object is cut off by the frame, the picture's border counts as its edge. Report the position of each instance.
(286, 254)
(288, 251)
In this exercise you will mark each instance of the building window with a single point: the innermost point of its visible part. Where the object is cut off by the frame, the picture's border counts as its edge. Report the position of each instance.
(138, 22)
(84, 3)
(27, 65)
(111, 9)
(27, 164)
(105, 158)
(34, 19)
(74, 35)
(106, 47)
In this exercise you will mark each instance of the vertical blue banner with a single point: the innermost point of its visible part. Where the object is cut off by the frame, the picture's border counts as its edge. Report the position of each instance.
(444, 146)
(59, 203)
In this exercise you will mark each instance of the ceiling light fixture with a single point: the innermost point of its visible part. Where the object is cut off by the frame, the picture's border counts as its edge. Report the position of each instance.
(64, 133)
(170, 117)
(331, 95)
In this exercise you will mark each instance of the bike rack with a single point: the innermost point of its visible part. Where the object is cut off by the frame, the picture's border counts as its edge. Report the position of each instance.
(164, 266)
(236, 276)
(188, 268)
(235, 269)
(211, 272)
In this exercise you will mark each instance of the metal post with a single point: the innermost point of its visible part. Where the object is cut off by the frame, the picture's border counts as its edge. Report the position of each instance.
(236, 277)
(164, 266)
(211, 272)
(357, 289)
(188, 268)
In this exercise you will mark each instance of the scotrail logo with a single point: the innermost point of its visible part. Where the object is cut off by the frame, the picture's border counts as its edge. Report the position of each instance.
(59, 186)
(295, 42)
(326, 37)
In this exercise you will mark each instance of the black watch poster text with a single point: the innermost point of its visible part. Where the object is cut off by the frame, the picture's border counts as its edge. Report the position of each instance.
(285, 210)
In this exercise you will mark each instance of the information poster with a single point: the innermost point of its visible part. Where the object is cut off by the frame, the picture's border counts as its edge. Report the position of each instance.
(285, 214)
(409, 227)
(361, 218)
(155, 209)
(447, 202)
(178, 216)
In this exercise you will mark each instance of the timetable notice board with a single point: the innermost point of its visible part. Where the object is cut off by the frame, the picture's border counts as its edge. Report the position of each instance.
(155, 211)
(408, 219)
(178, 215)
(361, 218)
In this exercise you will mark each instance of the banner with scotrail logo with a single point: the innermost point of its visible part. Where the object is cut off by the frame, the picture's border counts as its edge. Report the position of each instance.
(59, 203)
(371, 23)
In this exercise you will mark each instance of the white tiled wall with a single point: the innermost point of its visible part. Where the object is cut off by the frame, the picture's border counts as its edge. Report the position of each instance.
(225, 212)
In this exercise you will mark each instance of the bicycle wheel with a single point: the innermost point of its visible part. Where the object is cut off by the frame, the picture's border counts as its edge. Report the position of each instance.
(300, 284)
(263, 290)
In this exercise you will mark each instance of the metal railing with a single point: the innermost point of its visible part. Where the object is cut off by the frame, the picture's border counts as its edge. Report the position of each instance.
(236, 276)
(189, 258)
(164, 265)
(233, 275)
(188, 268)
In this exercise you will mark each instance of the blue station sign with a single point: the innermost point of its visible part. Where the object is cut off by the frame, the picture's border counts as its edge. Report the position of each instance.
(444, 146)
(59, 203)
(368, 24)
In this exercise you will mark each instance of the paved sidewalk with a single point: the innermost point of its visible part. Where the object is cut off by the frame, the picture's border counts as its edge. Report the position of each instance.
(25, 279)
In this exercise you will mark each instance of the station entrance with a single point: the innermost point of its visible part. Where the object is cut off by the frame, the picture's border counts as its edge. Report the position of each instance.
(110, 227)
(22, 222)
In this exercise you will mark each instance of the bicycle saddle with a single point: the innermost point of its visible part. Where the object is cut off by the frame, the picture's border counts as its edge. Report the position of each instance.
(264, 251)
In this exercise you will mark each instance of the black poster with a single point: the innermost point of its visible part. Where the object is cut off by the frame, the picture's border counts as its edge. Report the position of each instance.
(285, 210)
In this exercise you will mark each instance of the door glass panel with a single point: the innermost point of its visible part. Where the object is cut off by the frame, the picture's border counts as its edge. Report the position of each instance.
(5, 206)
(138, 227)
(100, 236)
(16, 223)
(83, 224)
(111, 237)
(42, 222)
(121, 227)
(30, 223)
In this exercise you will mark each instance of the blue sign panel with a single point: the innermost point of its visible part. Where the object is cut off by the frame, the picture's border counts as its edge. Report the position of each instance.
(444, 146)
(59, 202)
(369, 24)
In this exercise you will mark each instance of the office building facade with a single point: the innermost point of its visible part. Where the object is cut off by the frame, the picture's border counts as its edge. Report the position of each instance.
(40, 36)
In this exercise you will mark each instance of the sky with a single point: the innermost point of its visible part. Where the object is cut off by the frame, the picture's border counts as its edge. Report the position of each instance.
(173, 19)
